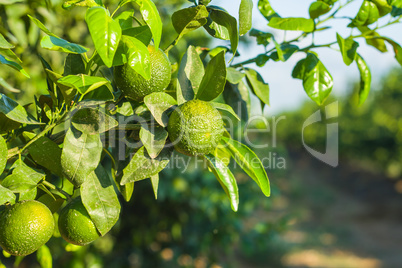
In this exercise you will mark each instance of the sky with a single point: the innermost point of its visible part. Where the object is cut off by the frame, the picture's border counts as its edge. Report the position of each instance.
(287, 93)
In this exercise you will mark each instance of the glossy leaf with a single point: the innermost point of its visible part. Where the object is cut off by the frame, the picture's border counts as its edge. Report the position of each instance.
(153, 138)
(365, 79)
(234, 76)
(159, 103)
(397, 48)
(368, 14)
(105, 33)
(249, 162)
(317, 81)
(80, 156)
(245, 16)
(318, 9)
(47, 153)
(190, 75)
(92, 121)
(287, 51)
(4, 44)
(292, 24)
(100, 200)
(18, 184)
(263, 38)
(151, 16)
(142, 166)
(13, 65)
(213, 82)
(225, 178)
(238, 97)
(396, 7)
(68, 92)
(373, 38)
(6, 195)
(133, 52)
(257, 84)
(155, 184)
(15, 112)
(74, 64)
(223, 26)
(224, 107)
(59, 44)
(348, 49)
(142, 33)
(266, 9)
(41, 26)
(83, 83)
(189, 19)
(3, 154)
(125, 19)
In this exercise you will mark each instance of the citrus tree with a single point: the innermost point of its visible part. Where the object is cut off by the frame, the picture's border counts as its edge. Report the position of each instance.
(123, 102)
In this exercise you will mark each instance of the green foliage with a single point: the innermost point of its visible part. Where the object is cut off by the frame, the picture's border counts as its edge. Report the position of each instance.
(86, 134)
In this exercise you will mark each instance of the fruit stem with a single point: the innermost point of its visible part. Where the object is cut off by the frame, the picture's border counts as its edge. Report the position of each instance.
(54, 187)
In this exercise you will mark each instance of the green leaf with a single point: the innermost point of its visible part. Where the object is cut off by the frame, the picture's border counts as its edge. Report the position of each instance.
(83, 83)
(58, 44)
(18, 183)
(20, 169)
(44, 257)
(80, 3)
(42, 27)
(318, 9)
(190, 75)
(396, 7)
(105, 33)
(348, 49)
(153, 138)
(142, 166)
(133, 52)
(292, 24)
(151, 16)
(372, 38)
(125, 190)
(189, 19)
(263, 38)
(6, 195)
(245, 16)
(223, 26)
(73, 65)
(155, 184)
(100, 200)
(234, 76)
(47, 153)
(15, 112)
(53, 42)
(368, 14)
(317, 81)
(213, 82)
(257, 84)
(13, 65)
(92, 121)
(225, 178)
(80, 156)
(266, 9)
(225, 107)
(53, 202)
(365, 79)
(238, 97)
(250, 163)
(3, 154)
(142, 33)
(397, 48)
(159, 103)
(287, 51)
(125, 19)
(4, 44)
(68, 92)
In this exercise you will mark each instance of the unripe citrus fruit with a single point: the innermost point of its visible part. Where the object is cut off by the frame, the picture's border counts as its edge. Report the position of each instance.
(136, 87)
(75, 224)
(25, 227)
(195, 128)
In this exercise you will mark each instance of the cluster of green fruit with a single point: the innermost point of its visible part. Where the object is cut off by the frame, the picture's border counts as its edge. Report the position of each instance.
(195, 128)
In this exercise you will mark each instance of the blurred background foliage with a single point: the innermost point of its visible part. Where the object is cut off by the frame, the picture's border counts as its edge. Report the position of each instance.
(317, 216)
